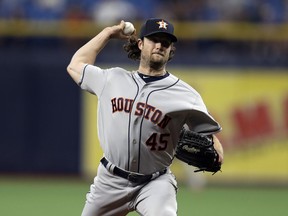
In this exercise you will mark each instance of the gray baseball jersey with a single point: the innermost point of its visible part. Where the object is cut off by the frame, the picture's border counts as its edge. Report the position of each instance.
(139, 122)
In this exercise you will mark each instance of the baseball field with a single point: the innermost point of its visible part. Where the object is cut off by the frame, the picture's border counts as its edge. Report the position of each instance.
(46, 196)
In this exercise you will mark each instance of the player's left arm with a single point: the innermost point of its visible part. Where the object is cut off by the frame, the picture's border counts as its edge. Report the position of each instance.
(219, 148)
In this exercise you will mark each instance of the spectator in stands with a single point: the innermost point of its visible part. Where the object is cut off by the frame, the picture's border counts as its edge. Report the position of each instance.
(181, 10)
(108, 12)
(272, 11)
(111, 11)
(46, 10)
(12, 9)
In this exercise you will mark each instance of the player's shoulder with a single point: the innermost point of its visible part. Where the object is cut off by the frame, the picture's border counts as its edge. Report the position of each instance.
(118, 70)
(185, 86)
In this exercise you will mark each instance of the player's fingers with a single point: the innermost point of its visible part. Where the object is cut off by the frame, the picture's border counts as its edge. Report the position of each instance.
(122, 24)
(118, 31)
(123, 36)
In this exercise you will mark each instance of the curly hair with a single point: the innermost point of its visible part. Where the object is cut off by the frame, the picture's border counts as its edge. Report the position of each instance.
(134, 53)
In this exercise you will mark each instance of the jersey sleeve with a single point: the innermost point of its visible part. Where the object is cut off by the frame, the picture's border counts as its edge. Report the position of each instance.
(200, 120)
(93, 79)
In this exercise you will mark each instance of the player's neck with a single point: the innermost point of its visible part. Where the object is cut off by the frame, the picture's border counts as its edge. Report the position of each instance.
(151, 71)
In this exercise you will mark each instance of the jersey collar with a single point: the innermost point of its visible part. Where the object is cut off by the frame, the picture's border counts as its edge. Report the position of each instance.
(147, 78)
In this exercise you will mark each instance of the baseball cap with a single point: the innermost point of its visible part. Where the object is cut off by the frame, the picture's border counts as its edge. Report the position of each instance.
(155, 25)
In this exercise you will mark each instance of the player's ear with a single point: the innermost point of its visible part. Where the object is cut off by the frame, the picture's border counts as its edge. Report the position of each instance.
(140, 44)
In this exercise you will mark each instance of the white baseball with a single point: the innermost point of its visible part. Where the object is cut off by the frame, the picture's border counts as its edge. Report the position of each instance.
(128, 28)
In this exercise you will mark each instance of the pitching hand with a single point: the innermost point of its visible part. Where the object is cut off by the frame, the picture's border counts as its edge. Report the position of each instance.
(116, 31)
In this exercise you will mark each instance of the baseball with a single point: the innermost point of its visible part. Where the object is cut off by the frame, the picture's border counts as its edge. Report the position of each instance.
(128, 28)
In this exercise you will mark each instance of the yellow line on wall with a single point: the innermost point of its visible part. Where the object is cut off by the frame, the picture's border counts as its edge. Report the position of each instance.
(91, 151)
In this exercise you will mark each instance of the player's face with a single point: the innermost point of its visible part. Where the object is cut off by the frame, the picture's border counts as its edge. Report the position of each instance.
(156, 50)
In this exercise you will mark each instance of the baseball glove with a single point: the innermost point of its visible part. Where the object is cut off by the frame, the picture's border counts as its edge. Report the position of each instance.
(197, 150)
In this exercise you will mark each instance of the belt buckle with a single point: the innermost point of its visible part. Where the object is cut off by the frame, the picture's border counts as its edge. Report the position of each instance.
(132, 177)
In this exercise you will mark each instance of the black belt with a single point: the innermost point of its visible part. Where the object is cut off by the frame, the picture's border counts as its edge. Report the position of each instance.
(133, 177)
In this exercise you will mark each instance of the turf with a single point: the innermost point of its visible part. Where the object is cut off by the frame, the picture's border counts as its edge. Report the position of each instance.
(65, 196)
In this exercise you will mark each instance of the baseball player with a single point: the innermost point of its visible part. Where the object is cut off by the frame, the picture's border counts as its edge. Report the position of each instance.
(140, 115)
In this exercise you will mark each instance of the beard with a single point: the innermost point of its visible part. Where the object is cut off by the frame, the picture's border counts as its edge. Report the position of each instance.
(157, 63)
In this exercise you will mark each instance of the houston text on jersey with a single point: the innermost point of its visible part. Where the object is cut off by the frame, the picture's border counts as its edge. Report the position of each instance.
(150, 112)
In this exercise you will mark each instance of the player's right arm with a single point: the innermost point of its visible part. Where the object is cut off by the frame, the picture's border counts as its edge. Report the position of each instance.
(88, 53)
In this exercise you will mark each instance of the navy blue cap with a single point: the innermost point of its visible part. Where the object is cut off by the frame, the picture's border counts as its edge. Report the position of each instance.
(155, 25)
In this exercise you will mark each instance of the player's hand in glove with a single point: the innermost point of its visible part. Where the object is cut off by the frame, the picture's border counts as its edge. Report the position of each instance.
(198, 150)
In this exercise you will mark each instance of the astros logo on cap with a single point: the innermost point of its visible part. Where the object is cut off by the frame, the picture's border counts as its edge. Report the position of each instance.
(162, 24)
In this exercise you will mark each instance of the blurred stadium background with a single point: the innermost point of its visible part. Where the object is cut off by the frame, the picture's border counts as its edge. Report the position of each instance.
(234, 52)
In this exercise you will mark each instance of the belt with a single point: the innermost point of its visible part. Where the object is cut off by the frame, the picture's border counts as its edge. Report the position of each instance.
(131, 176)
